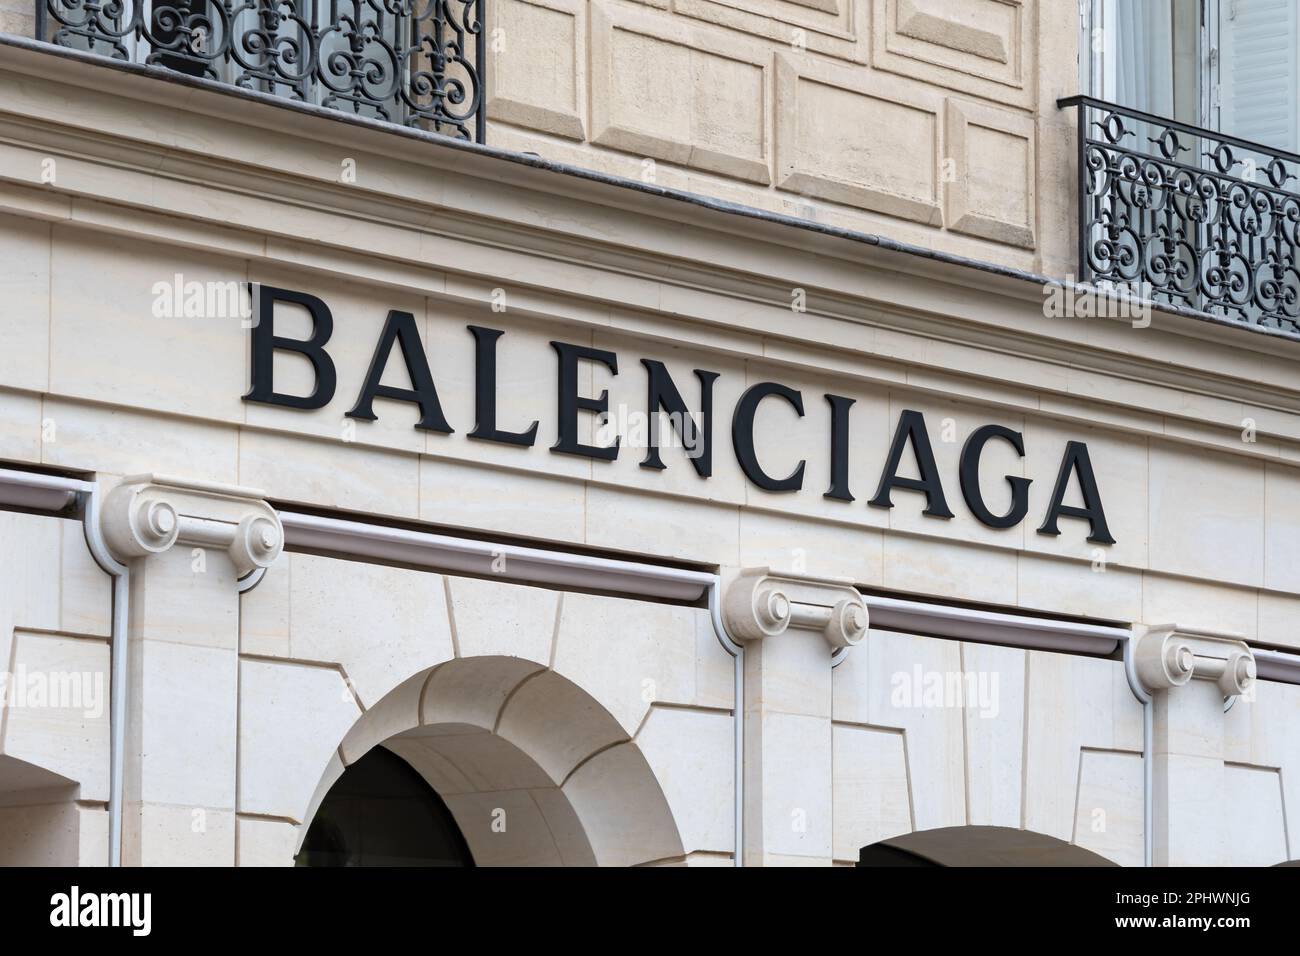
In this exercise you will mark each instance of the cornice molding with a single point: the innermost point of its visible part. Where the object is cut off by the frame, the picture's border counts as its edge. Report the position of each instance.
(835, 293)
(758, 605)
(1168, 657)
(149, 514)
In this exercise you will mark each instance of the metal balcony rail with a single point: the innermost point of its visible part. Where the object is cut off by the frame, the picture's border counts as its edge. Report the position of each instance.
(1187, 216)
(417, 63)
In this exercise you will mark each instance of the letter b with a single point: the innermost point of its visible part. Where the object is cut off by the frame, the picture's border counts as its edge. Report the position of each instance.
(265, 343)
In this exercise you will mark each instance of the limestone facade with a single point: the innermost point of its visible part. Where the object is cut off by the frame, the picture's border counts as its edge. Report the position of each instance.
(614, 726)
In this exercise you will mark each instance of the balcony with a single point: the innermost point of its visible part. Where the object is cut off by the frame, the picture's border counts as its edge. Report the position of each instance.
(417, 63)
(1188, 217)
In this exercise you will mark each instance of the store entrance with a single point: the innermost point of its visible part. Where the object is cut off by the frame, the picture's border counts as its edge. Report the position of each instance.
(381, 812)
(977, 846)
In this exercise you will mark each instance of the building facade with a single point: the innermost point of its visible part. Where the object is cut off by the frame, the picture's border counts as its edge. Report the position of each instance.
(622, 433)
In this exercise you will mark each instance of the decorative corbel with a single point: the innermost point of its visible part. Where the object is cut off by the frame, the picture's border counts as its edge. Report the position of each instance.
(1168, 656)
(758, 604)
(148, 514)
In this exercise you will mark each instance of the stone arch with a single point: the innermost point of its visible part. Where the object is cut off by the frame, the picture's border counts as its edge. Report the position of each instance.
(533, 768)
(978, 846)
(621, 707)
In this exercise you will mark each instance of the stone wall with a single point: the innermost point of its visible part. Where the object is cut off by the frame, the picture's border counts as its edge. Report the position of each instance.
(1194, 433)
(18, 17)
(929, 121)
(54, 722)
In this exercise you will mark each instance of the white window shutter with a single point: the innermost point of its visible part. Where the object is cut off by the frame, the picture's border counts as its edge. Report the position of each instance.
(1259, 71)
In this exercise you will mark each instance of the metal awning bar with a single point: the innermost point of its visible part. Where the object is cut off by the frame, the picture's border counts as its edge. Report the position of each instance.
(29, 489)
(488, 559)
(1277, 665)
(993, 627)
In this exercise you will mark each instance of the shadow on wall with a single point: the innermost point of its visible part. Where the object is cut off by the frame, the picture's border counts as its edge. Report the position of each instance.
(977, 846)
(41, 822)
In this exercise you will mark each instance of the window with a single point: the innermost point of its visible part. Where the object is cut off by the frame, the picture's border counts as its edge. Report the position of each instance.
(1226, 65)
(380, 812)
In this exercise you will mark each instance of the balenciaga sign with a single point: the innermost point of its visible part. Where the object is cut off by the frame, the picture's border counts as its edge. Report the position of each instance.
(401, 333)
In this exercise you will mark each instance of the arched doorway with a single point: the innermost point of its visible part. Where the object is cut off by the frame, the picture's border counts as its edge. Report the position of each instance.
(381, 812)
(526, 767)
(977, 846)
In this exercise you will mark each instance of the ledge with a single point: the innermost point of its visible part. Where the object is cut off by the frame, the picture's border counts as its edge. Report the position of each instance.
(698, 266)
(535, 162)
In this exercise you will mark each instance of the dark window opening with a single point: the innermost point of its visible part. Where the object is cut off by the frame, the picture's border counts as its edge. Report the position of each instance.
(882, 854)
(380, 812)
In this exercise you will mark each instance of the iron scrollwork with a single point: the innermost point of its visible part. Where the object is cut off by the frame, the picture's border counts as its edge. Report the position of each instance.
(1191, 217)
(412, 62)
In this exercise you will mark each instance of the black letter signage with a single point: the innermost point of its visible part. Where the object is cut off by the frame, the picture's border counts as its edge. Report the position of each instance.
(839, 447)
(970, 477)
(570, 402)
(266, 343)
(698, 441)
(400, 328)
(663, 397)
(911, 427)
(1075, 460)
(485, 392)
(742, 436)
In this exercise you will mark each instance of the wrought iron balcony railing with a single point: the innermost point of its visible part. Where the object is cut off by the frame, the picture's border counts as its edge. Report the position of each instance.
(417, 63)
(1188, 216)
